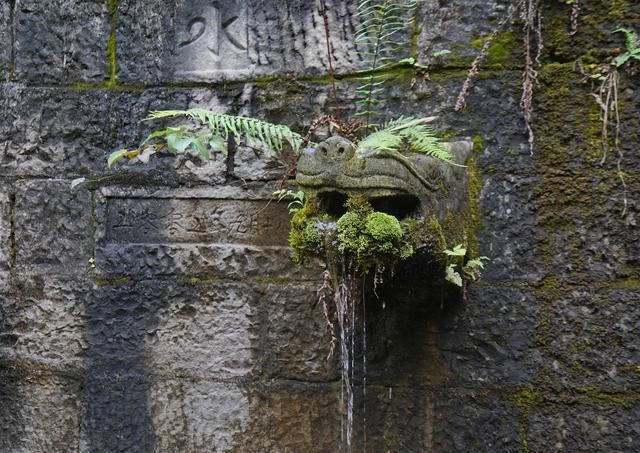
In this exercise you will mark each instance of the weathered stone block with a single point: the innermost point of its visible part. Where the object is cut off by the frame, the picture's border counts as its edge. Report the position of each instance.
(459, 26)
(510, 235)
(195, 221)
(52, 133)
(474, 420)
(584, 238)
(201, 41)
(6, 37)
(53, 233)
(221, 233)
(196, 415)
(61, 41)
(495, 327)
(115, 412)
(298, 341)
(163, 327)
(6, 209)
(214, 332)
(38, 413)
(584, 428)
(47, 325)
(591, 335)
(290, 416)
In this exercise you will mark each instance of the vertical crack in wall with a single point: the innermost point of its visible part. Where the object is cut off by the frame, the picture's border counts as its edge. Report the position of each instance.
(94, 229)
(112, 59)
(12, 38)
(12, 237)
(231, 157)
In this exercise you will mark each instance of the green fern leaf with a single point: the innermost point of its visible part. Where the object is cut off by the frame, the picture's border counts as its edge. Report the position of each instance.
(407, 134)
(377, 39)
(272, 135)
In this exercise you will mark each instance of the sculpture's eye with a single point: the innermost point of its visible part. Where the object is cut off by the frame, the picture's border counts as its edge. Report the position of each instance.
(341, 150)
(323, 150)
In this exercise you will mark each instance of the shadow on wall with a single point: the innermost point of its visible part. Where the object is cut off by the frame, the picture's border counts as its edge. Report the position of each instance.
(404, 365)
(121, 319)
(12, 425)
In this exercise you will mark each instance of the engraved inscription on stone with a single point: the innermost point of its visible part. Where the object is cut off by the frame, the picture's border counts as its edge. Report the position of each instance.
(212, 38)
(202, 221)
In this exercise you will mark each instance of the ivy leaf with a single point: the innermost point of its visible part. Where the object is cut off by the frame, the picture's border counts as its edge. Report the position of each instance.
(119, 154)
(76, 182)
(441, 53)
(621, 59)
(146, 154)
(178, 144)
(199, 144)
(217, 144)
(163, 133)
(458, 250)
(453, 276)
(476, 263)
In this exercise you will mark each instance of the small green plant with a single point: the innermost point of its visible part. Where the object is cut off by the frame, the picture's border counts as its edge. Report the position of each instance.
(441, 53)
(632, 45)
(219, 128)
(212, 131)
(458, 273)
(409, 134)
(379, 39)
(297, 199)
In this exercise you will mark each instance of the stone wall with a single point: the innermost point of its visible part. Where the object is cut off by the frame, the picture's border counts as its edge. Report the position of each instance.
(195, 332)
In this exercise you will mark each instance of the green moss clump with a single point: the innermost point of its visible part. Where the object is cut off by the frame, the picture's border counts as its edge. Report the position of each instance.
(503, 49)
(371, 239)
(383, 227)
(304, 237)
(365, 238)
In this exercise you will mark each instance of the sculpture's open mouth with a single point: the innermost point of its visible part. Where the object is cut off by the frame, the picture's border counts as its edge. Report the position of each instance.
(332, 201)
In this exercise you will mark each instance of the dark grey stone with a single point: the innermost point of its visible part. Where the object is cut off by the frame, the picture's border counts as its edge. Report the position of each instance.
(46, 321)
(454, 25)
(61, 41)
(297, 338)
(6, 209)
(509, 235)
(490, 339)
(53, 228)
(6, 37)
(482, 421)
(40, 413)
(584, 428)
(590, 335)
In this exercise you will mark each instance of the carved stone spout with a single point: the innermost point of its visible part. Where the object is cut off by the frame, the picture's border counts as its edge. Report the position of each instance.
(415, 184)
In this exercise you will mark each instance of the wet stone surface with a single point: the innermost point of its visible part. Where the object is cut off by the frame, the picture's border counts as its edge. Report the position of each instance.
(156, 308)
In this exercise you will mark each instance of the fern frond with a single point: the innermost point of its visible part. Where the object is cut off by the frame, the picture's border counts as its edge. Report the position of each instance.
(384, 140)
(631, 39)
(275, 136)
(410, 134)
(381, 22)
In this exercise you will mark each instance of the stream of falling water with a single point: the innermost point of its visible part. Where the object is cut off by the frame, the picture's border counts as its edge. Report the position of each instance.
(344, 304)
(350, 327)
